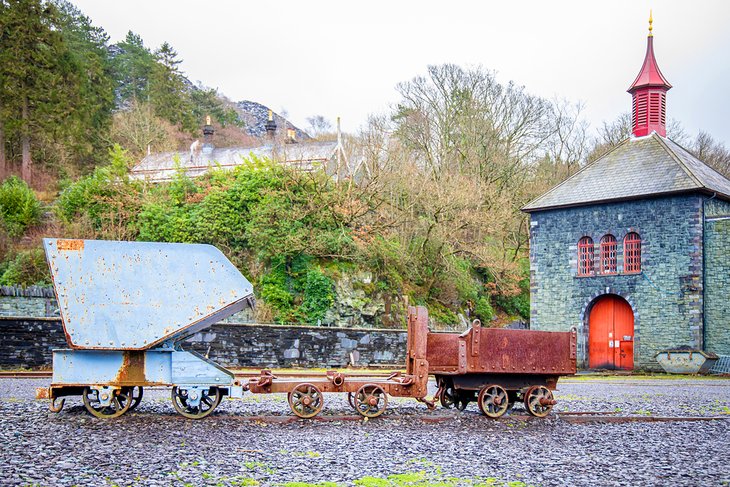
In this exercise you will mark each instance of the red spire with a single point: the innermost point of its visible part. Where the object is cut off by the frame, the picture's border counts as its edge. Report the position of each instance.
(649, 92)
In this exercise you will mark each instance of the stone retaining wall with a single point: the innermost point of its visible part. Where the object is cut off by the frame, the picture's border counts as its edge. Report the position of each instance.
(28, 342)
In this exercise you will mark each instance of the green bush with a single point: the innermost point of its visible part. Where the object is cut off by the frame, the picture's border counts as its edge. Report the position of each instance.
(318, 295)
(19, 206)
(28, 268)
(483, 310)
(106, 197)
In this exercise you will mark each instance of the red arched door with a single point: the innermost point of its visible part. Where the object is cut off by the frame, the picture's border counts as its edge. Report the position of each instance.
(611, 334)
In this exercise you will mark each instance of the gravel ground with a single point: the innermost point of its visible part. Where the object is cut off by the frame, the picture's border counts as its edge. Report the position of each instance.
(408, 446)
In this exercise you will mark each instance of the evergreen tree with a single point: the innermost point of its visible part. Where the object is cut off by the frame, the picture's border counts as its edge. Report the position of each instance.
(169, 91)
(91, 82)
(31, 57)
(133, 65)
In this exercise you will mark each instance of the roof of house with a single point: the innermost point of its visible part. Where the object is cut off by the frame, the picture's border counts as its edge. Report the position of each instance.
(163, 166)
(637, 168)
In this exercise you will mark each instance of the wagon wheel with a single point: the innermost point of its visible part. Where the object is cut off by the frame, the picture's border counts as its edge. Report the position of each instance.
(136, 392)
(306, 400)
(493, 401)
(539, 401)
(351, 399)
(461, 402)
(448, 397)
(209, 400)
(119, 404)
(371, 400)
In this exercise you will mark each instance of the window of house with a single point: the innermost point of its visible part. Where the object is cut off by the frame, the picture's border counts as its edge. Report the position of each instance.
(585, 256)
(632, 253)
(608, 254)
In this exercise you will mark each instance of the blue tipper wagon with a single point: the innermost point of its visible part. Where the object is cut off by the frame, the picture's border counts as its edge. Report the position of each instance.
(126, 307)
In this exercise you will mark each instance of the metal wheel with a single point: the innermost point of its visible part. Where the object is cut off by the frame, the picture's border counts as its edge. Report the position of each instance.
(539, 401)
(136, 394)
(351, 399)
(448, 397)
(56, 407)
(493, 401)
(371, 400)
(182, 400)
(306, 400)
(461, 403)
(119, 404)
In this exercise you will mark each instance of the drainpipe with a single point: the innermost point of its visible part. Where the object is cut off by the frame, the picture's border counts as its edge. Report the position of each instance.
(704, 270)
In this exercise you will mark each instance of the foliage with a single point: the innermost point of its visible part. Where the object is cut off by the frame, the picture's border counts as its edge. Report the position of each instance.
(483, 310)
(106, 198)
(27, 268)
(19, 207)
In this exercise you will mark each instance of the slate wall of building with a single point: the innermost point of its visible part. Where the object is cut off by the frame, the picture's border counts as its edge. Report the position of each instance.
(717, 276)
(666, 297)
(28, 342)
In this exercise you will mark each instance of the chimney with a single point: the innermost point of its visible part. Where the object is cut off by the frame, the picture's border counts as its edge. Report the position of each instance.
(208, 133)
(291, 136)
(270, 127)
(649, 94)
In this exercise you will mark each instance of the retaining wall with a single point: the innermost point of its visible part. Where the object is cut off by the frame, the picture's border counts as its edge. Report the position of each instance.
(28, 342)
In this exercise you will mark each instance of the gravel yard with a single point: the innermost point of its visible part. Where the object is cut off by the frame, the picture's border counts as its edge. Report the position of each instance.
(408, 446)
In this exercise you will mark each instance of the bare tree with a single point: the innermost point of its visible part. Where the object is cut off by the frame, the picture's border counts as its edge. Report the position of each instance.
(712, 152)
(318, 125)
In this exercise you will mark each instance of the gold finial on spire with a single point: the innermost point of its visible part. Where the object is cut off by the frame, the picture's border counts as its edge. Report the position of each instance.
(271, 115)
(651, 20)
(207, 120)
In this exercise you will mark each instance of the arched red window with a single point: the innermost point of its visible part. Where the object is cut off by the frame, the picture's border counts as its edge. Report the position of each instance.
(585, 256)
(632, 253)
(608, 254)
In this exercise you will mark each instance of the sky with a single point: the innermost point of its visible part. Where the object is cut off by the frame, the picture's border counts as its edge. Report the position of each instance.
(345, 58)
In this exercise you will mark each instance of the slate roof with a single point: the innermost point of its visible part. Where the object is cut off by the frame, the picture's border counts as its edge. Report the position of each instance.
(637, 168)
(163, 166)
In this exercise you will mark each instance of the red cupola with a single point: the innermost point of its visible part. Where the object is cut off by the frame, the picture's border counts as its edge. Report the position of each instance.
(649, 92)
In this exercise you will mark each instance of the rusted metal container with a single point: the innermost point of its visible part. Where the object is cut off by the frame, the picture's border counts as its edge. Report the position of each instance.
(498, 350)
(496, 367)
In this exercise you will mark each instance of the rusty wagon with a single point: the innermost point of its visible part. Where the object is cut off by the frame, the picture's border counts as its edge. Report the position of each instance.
(127, 307)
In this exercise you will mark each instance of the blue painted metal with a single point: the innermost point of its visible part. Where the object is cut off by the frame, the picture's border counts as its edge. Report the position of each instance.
(136, 295)
(152, 367)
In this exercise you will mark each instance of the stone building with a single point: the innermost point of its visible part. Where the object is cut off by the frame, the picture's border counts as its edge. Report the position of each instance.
(634, 249)
(280, 146)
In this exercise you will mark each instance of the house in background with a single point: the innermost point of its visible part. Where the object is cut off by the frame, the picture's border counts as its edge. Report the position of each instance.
(285, 149)
(634, 249)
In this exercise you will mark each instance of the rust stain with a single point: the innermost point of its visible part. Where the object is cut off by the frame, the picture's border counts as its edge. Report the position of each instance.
(69, 244)
(132, 369)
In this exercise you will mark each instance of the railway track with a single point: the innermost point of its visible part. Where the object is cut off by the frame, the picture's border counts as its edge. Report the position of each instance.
(241, 373)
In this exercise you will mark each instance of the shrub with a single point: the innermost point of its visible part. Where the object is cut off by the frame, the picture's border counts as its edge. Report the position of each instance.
(483, 310)
(318, 295)
(19, 206)
(28, 268)
(106, 197)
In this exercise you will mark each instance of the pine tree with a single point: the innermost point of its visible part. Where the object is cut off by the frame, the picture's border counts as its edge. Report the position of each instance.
(31, 49)
(169, 93)
(90, 83)
(133, 66)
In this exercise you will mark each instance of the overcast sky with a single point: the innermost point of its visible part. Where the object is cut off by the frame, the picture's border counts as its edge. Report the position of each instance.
(345, 57)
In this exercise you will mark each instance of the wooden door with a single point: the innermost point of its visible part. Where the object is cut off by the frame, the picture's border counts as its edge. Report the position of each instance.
(611, 334)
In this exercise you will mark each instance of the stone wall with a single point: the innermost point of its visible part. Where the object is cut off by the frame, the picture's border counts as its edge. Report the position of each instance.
(666, 297)
(717, 277)
(28, 342)
(32, 301)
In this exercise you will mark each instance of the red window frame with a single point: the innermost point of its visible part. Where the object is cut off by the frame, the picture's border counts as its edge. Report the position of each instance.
(632, 253)
(608, 254)
(585, 256)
